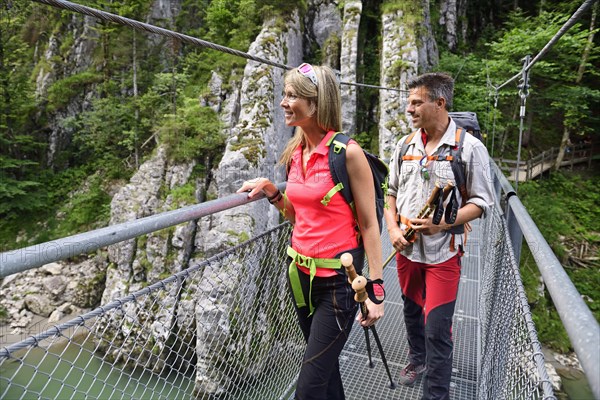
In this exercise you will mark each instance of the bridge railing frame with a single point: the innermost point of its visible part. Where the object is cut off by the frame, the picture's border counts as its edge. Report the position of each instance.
(582, 328)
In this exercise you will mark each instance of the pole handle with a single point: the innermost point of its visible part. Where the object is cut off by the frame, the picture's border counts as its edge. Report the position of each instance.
(430, 206)
(347, 261)
(359, 285)
(358, 282)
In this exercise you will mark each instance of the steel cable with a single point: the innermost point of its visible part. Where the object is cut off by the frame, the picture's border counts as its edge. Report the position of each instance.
(576, 15)
(106, 16)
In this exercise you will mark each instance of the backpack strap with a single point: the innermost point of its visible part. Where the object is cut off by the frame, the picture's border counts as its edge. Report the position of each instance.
(339, 173)
(457, 167)
(337, 166)
(404, 148)
(459, 175)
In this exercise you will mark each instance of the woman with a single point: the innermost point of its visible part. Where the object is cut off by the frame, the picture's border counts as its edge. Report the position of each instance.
(324, 300)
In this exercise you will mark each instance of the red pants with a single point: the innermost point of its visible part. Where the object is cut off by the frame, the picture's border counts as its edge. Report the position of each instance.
(429, 294)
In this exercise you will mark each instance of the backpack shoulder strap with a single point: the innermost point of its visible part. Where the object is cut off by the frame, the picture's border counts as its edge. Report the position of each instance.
(404, 147)
(457, 166)
(337, 166)
(406, 143)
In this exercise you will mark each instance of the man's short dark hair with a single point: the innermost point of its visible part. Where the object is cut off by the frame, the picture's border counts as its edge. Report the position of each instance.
(438, 84)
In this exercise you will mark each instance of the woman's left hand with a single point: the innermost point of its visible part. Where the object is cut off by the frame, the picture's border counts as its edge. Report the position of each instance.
(375, 313)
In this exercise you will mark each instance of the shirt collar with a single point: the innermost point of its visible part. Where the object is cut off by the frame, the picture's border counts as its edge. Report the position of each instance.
(321, 149)
(448, 138)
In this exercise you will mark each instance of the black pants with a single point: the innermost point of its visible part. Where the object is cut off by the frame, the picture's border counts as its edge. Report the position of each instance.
(326, 332)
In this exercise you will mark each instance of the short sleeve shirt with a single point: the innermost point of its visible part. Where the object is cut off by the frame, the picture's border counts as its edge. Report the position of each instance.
(319, 231)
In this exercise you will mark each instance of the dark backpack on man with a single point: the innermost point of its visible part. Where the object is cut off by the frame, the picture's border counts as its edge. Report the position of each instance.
(337, 165)
(467, 120)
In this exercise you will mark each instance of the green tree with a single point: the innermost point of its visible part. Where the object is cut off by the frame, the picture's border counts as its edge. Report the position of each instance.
(193, 133)
(555, 100)
(19, 147)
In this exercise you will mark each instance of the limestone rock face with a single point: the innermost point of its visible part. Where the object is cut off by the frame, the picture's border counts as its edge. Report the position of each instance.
(399, 63)
(256, 137)
(323, 22)
(76, 60)
(348, 64)
(254, 144)
(138, 199)
(427, 46)
(148, 258)
(448, 15)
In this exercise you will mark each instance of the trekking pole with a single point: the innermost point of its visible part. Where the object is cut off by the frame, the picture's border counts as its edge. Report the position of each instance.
(387, 261)
(425, 212)
(358, 283)
(360, 296)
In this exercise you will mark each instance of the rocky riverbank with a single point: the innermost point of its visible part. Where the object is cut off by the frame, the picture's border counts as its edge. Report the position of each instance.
(567, 376)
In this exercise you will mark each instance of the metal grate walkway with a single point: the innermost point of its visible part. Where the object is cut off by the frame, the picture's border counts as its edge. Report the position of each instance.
(361, 382)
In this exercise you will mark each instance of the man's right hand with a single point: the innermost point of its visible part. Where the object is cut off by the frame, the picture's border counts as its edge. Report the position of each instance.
(397, 239)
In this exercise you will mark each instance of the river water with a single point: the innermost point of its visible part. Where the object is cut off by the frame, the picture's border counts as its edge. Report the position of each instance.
(79, 373)
(575, 384)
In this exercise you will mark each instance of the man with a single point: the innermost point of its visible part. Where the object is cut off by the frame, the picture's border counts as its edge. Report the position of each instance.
(429, 267)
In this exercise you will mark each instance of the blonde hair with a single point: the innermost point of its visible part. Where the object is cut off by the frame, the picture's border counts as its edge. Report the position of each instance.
(324, 99)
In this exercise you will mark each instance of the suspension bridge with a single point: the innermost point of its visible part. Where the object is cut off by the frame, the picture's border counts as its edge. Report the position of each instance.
(224, 328)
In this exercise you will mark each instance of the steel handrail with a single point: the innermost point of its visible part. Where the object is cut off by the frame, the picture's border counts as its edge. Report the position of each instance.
(581, 326)
(26, 258)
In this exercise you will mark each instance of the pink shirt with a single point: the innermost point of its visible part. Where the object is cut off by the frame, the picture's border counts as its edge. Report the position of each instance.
(320, 231)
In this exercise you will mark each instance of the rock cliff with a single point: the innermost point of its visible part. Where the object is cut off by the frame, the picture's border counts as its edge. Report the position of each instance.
(247, 103)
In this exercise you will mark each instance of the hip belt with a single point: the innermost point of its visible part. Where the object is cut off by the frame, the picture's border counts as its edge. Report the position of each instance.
(312, 264)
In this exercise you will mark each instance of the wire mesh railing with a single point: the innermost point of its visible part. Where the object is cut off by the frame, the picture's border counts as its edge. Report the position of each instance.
(512, 363)
(224, 328)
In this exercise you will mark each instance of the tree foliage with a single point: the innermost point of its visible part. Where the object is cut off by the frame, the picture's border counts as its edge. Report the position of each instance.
(19, 145)
(555, 99)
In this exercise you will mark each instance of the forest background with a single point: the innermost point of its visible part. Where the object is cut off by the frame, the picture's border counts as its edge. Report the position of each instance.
(132, 98)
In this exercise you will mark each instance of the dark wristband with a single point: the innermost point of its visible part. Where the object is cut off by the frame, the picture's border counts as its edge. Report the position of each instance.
(376, 291)
(275, 198)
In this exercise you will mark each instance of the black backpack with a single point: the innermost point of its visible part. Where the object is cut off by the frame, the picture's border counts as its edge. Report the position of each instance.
(467, 120)
(337, 165)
